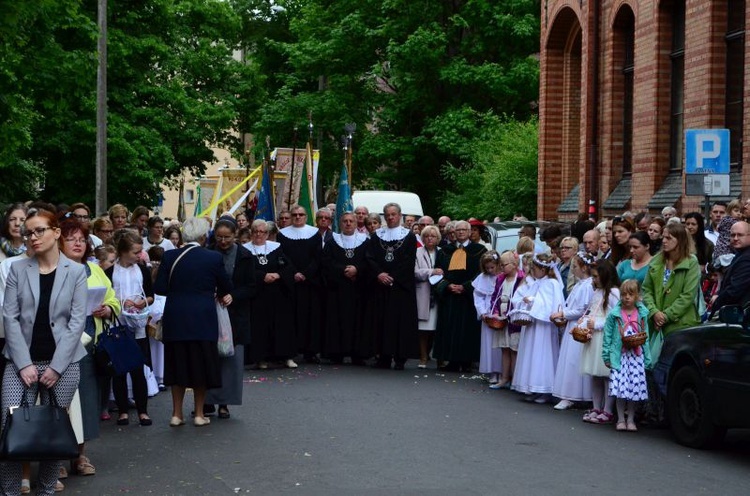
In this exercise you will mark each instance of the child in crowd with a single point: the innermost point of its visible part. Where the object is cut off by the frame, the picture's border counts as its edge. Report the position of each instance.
(105, 255)
(603, 244)
(484, 289)
(570, 385)
(606, 295)
(627, 378)
(508, 282)
(539, 345)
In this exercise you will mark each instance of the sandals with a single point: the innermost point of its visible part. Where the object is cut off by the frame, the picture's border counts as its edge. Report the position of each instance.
(631, 427)
(621, 426)
(83, 466)
(602, 418)
(591, 414)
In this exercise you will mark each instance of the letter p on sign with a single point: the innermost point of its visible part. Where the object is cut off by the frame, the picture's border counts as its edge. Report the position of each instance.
(707, 151)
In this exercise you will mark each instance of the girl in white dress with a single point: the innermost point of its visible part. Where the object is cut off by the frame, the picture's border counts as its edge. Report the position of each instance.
(509, 281)
(570, 384)
(606, 296)
(484, 289)
(539, 345)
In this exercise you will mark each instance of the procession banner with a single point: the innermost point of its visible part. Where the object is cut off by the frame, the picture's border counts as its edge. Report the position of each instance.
(284, 168)
(228, 191)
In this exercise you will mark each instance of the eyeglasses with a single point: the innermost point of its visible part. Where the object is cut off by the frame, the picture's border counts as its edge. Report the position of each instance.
(75, 241)
(298, 215)
(260, 232)
(322, 218)
(37, 233)
(461, 229)
(566, 247)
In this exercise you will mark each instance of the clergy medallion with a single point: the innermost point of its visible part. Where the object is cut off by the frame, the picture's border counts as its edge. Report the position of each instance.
(349, 252)
(262, 259)
(389, 254)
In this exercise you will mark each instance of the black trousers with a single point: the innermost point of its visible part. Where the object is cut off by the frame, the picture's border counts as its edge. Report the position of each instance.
(138, 379)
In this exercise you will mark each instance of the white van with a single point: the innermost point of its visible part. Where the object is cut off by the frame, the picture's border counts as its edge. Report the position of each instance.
(375, 201)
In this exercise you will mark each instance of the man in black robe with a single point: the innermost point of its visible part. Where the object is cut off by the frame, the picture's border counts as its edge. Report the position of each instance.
(301, 243)
(391, 257)
(457, 338)
(344, 270)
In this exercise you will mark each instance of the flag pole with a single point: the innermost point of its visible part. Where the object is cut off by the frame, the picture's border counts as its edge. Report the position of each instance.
(291, 169)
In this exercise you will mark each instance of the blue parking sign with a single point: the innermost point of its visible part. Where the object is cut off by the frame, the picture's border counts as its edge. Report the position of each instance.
(707, 151)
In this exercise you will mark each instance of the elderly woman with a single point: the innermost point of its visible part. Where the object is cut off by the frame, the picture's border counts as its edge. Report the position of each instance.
(118, 215)
(271, 319)
(11, 241)
(74, 246)
(238, 263)
(426, 304)
(44, 316)
(192, 278)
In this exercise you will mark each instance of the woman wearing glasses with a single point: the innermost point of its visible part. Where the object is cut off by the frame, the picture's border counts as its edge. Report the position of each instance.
(73, 242)
(155, 236)
(567, 250)
(271, 318)
(238, 264)
(44, 315)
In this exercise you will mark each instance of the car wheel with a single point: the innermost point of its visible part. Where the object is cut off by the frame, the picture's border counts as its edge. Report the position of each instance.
(689, 411)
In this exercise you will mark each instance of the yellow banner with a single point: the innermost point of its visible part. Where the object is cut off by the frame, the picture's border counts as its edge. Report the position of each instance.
(231, 180)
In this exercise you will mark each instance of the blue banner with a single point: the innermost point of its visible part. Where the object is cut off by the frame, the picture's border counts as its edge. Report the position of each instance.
(344, 201)
(265, 210)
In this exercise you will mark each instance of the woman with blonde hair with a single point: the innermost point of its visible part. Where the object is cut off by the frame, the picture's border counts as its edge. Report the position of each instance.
(426, 302)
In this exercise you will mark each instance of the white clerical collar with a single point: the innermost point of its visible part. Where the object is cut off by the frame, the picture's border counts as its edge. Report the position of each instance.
(392, 233)
(297, 233)
(349, 242)
(263, 249)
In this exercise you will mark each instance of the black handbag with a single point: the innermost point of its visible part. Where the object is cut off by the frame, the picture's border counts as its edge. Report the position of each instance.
(116, 351)
(38, 432)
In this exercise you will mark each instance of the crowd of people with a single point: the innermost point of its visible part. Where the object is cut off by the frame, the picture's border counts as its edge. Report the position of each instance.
(574, 319)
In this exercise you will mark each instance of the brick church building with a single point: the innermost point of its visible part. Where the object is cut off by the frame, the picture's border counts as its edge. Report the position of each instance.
(621, 81)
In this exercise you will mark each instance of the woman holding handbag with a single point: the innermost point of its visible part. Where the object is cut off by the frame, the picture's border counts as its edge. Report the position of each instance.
(43, 334)
(73, 243)
(132, 283)
(192, 278)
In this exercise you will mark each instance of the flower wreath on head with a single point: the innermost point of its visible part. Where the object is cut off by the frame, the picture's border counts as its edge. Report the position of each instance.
(548, 265)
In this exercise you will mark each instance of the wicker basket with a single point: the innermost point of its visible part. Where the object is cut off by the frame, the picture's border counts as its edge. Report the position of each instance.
(581, 334)
(521, 318)
(495, 322)
(560, 322)
(634, 340)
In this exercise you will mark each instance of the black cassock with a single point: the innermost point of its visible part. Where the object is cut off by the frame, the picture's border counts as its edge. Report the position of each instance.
(303, 248)
(271, 322)
(392, 310)
(457, 338)
(345, 298)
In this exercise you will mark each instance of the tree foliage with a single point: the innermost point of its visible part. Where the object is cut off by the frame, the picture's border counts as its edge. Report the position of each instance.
(413, 75)
(502, 178)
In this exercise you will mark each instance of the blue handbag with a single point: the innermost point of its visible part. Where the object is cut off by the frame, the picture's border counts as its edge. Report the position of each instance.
(116, 351)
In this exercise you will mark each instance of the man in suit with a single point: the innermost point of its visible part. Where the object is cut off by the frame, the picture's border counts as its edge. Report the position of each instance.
(323, 221)
(736, 280)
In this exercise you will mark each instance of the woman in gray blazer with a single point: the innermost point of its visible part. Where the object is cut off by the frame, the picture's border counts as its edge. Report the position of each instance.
(44, 316)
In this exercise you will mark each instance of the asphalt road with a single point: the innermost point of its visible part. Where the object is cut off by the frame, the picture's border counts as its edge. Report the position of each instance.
(321, 430)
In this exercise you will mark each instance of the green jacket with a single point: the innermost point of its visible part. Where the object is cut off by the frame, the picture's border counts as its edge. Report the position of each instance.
(612, 347)
(677, 298)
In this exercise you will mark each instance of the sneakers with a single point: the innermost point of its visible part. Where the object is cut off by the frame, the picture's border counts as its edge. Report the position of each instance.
(564, 405)
(291, 364)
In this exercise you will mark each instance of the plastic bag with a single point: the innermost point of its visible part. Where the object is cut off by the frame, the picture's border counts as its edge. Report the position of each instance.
(226, 341)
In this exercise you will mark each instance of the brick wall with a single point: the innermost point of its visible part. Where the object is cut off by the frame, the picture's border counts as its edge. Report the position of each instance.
(705, 28)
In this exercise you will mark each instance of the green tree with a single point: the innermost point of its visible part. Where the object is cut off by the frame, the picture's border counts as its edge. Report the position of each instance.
(499, 177)
(412, 75)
